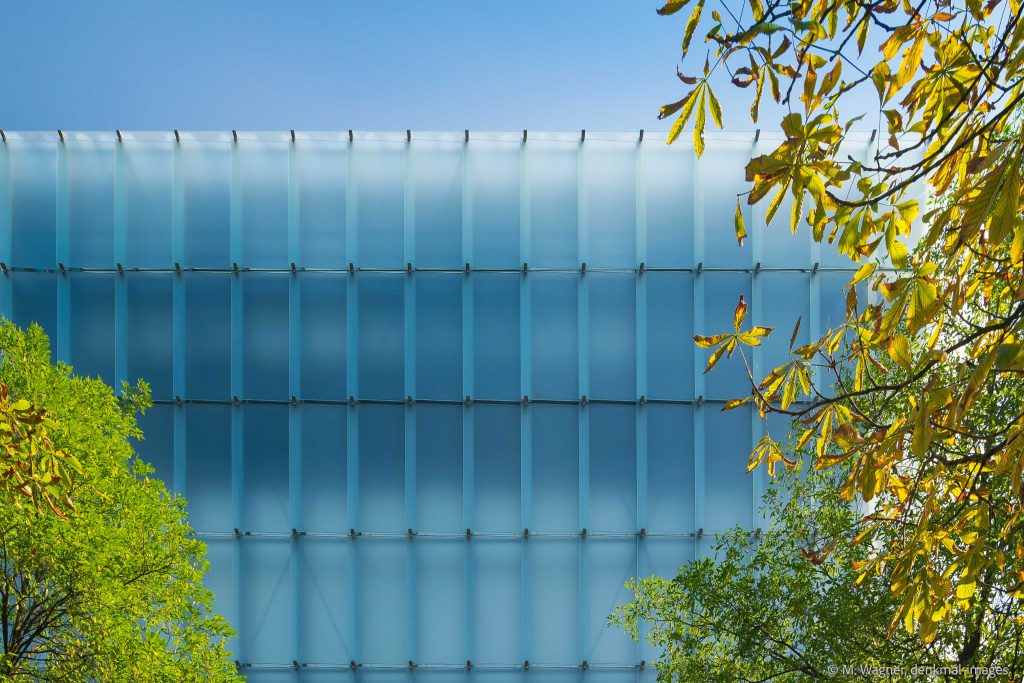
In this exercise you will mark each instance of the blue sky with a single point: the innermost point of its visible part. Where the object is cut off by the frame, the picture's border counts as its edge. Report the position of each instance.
(336, 64)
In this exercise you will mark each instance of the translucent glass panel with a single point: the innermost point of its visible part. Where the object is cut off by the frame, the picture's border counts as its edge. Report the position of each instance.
(352, 502)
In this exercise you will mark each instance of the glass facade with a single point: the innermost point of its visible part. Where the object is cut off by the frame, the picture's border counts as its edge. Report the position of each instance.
(432, 398)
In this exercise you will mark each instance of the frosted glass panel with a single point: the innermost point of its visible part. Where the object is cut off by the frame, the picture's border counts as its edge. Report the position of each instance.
(33, 203)
(208, 464)
(669, 329)
(494, 173)
(380, 183)
(147, 168)
(555, 468)
(265, 352)
(555, 345)
(381, 468)
(728, 489)
(324, 468)
(437, 185)
(722, 179)
(612, 333)
(266, 468)
(667, 179)
(263, 175)
(381, 336)
(552, 183)
(439, 468)
(496, 335)
(440, 595)
(439, 336)
(382, 603)
(322, 301)
(267, 608)
(670, 485)
(34, 300)
(321, 174)
(208, 336)
(90, 169)
(554, 599)
(92, 322)
(609, 185)
(149, 331)
(206, 179)
(496, 452)
(497, 601)
(612, 468)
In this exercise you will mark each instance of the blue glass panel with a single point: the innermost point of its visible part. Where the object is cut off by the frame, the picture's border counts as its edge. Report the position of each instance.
(440, 608)
(661, 557)
(34, 300)
(321, 169)
(208, 465)
(33, 203)
(322, 300)
(157, 447)
(381, 468)
(220, 580)
(554, 600)
(496, 467)
(92, 324)
(670, 504)
(325, 604)
(149, 331)
(669, 335)
(266, 468)
(555, 349)
(439, 335)
(496, 600)
(496, 335)
(267, 613)
(784, 299)
(611, 562)
(147, 203)
(728, 497)
(382, 601)
(554, 203)
(612, 335)
(555, 468)
(381, 336)
(437, 183)
(265, 337)
(323, 468)
(833, 299)
(208, 336)
(668, 184)
(206, 175)
(439, 468)
(263, 169)
(722, 292)
(612, 468)
(381, 202)
(780, 247)
(723, 178)
(91, 202)
(609, 185)
(494, 176)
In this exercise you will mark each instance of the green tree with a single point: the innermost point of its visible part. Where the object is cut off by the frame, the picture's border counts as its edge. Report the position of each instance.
(942, 347)
(114, 591)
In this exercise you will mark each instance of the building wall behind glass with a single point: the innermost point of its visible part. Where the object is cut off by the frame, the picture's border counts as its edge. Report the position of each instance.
(432, 401)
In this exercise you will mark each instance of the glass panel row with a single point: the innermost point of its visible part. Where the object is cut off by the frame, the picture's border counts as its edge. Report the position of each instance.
(463, 468)
(493, 602)
(440, 304)
(495, 204)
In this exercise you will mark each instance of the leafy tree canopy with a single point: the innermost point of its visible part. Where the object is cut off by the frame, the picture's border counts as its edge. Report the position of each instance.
(928, 420)
(114, 591)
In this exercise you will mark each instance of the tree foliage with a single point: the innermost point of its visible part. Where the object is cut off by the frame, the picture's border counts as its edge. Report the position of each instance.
(771, 607)
(937, 351)
(114, 591)
(32, 469)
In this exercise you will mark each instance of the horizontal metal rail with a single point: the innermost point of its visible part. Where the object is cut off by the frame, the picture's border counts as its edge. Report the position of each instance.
(121, 269)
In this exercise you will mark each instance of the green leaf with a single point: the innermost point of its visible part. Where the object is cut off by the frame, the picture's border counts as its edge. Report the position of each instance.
(691, 25)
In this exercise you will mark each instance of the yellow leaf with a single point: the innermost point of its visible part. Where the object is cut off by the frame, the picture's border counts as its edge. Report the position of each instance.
(741, 230)
(739, 314)
(863, 273)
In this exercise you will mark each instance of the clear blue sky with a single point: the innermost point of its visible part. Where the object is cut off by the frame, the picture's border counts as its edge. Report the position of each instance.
(337, 64)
